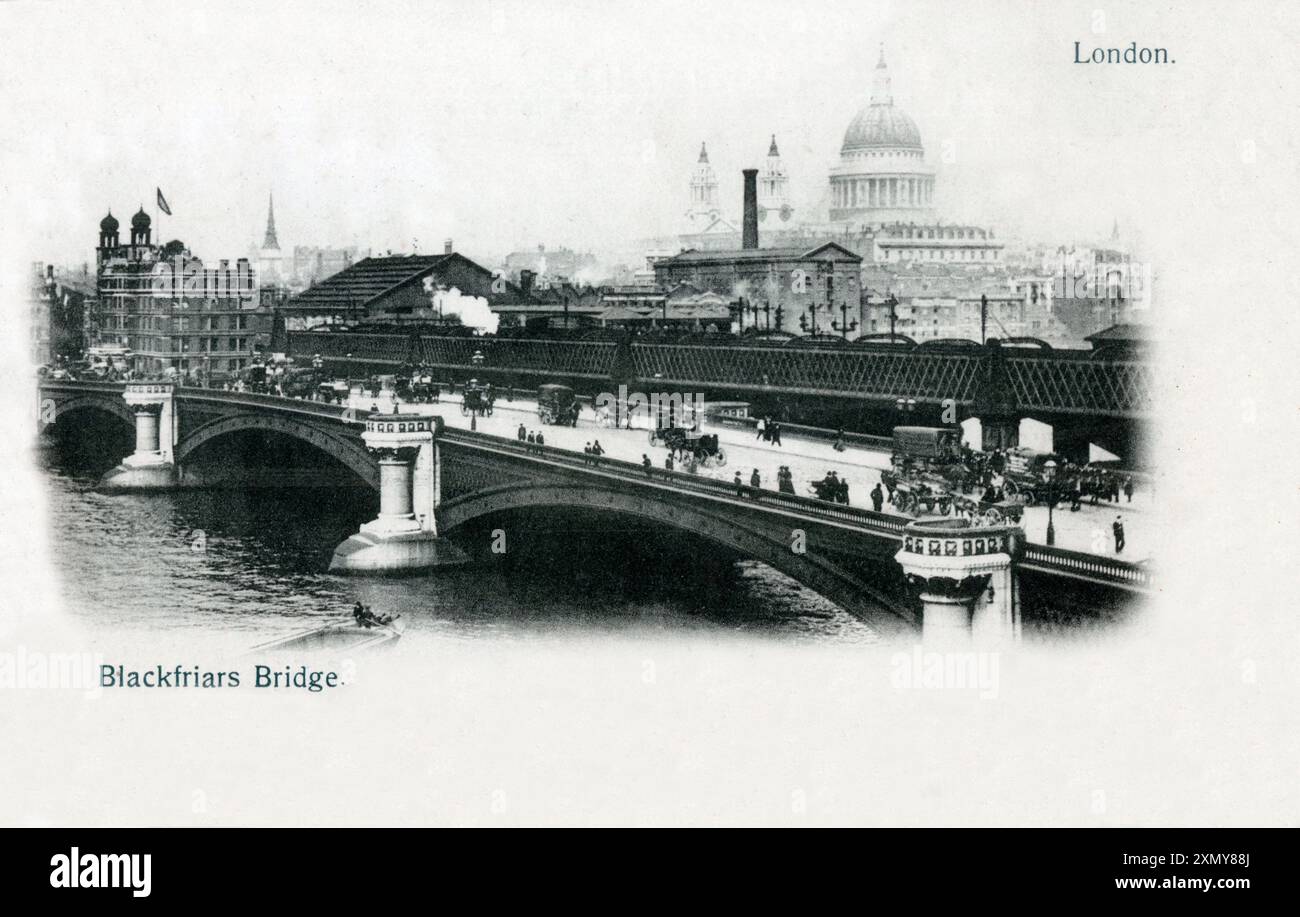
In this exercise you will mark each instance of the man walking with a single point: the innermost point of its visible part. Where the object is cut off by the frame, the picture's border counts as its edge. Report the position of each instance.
(1118, 528)
(877, 498)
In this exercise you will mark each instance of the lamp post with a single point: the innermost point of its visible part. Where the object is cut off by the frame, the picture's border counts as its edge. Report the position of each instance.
(477, 361)
(844, 326)
(1049, 471)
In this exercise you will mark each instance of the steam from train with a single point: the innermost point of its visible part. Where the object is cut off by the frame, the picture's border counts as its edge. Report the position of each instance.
(473, 311)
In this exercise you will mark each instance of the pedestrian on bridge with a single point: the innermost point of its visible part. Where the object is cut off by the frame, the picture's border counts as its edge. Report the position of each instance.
(645, 463)
(877, 497)
(1128, 488)
(774, 432)
(523, 433)
(755, 481)
(597, 450)
(668, 462)
(740, 485)
(586, 454)
(762, 429)
(531, 441)
(1118, 528)
(541, 441)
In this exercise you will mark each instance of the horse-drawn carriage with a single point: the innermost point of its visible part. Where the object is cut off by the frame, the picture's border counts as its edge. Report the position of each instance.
(704, 448)
(1030, 474)
(415, 384)
(477, 398)
(915, 496)
(333, 391)
(993, 512)
(556, 404)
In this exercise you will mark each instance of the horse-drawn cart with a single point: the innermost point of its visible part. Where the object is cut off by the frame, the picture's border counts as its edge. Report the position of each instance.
(703, 447)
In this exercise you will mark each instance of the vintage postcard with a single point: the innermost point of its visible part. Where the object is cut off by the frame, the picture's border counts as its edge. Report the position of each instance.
(573, 413)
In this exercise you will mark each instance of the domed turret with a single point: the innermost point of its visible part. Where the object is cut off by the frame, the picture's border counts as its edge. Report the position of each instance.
(140, 228)
(108, 231)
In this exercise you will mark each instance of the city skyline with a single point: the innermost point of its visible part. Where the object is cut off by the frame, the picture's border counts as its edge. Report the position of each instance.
(218, 147)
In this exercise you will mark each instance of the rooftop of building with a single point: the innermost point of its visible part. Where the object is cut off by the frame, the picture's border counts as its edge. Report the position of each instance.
(783, 253)
(370, 278)
(1125, 332)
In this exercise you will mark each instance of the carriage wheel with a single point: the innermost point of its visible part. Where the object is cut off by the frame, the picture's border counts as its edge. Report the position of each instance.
(995, 515)
(654, 436)
(464, 409)
(721, 457)
(1009, 487)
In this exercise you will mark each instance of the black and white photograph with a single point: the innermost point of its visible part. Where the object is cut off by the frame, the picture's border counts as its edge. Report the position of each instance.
(863, 414)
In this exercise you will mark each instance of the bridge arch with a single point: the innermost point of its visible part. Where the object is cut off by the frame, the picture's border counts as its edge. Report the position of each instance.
(351, 452)
(772, 547)
(111, 405)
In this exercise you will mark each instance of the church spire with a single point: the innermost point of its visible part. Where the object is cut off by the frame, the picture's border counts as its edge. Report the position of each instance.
(270, 241)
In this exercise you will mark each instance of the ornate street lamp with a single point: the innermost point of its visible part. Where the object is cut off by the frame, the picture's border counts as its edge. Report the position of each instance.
(844, 326)
(1053, 497)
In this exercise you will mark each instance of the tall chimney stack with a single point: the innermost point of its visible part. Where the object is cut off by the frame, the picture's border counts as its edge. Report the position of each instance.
(749, 232)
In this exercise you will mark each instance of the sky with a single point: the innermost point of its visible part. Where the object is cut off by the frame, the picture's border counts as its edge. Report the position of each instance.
(503, 125)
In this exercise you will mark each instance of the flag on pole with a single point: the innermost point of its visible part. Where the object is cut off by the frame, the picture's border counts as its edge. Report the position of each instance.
(162, 203)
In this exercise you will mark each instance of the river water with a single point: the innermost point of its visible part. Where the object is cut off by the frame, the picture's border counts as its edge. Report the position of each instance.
(243, 567)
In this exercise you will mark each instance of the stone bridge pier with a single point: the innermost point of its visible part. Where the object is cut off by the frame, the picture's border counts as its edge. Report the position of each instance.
(152, 466)
(404, 536)
(966, 581)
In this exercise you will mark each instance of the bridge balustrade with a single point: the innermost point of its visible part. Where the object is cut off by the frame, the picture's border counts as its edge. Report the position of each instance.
(1090, 566)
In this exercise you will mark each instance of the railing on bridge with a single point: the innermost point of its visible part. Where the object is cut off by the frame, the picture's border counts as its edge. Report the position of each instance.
(1059, 561)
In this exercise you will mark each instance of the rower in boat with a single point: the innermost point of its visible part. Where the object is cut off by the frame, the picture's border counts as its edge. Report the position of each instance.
(367, 618)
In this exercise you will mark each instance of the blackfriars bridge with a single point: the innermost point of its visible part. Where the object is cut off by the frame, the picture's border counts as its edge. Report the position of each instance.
(898, 574)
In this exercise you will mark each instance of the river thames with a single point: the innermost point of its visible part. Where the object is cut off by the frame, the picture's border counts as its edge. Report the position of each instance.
(225, 565)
